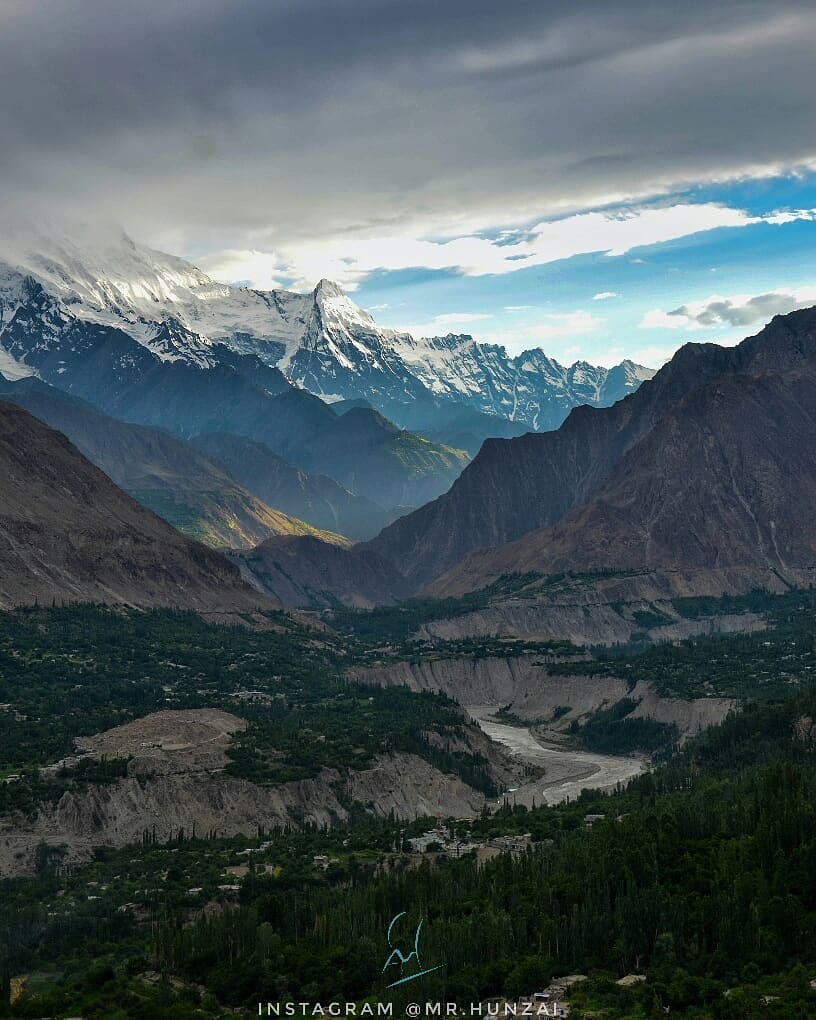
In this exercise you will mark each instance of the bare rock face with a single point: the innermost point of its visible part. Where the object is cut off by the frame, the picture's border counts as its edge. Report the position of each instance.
(67, 533)
(723, 482)
(523, 682)
(601, 623)
(208, 802)
(517, 486)
(308, 573)
(533, 690)
(804, 729)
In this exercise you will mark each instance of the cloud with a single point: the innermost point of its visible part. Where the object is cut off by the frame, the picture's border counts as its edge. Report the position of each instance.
(615, 232)
(654, 355)
(269, 125)
(717, 312)
(451, 318)
(449, 322)
(543, 330)
(604, 295)
(253, 268)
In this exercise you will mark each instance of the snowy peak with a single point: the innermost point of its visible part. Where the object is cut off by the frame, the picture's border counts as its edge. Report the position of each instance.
(338, 311)
(174, 342)
(12, 370)
(103, 269)
(635, 373)
(531, 388)
(57, 282)
(328, 289)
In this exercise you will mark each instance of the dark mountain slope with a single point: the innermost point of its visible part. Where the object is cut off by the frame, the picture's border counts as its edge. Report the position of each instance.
(315, 498)
(518, 485)
(309, 573)
(369, 454)
(68, 533)
(180, 484)
(725, 484)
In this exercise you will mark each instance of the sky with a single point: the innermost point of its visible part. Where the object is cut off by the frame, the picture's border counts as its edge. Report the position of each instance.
(603, 180)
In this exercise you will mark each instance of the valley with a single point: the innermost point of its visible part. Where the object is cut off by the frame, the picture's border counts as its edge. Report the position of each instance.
(567, 773)
(222, 721)
(407, 534)
(196, 779)
(250, 792)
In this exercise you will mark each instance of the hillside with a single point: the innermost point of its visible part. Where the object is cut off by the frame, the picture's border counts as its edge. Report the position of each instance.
(519, 485)
(722, 485)
(165, 474)
(68, 533)
(309, 573)
(315, 498)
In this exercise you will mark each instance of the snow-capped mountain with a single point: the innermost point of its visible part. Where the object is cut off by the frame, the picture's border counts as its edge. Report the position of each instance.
(57, 287)
(531, 388)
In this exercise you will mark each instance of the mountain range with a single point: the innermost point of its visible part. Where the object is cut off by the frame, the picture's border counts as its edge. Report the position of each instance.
(146, 337)
(705, 476)
(188, 489)
(708, 466)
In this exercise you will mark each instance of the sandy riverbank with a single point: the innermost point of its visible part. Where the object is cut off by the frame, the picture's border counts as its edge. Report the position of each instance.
(567, 771)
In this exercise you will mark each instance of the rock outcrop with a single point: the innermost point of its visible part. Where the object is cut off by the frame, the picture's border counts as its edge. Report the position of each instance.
(120, 813)
(533, 691)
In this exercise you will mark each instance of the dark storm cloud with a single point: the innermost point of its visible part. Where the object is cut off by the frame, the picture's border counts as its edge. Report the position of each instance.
(207, 122)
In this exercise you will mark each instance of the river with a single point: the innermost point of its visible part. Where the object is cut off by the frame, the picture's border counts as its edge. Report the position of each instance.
(567, 771)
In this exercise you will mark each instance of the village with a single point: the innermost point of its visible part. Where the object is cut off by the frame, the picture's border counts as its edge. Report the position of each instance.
(444, 839)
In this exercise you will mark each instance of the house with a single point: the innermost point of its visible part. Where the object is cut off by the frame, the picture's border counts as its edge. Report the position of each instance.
(421, 844)
(511, 844)
(539, 1004)
(457, 850)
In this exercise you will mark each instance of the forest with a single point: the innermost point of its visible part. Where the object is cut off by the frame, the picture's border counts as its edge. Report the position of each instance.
(699, 876)
(77, 670)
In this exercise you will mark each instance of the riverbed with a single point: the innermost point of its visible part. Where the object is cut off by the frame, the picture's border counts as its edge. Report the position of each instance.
(567, 771)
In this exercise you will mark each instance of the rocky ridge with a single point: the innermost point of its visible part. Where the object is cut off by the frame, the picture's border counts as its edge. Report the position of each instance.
(517, 486)
(99, 279)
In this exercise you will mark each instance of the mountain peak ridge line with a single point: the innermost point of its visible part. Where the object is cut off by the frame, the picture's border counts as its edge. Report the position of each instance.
(321, 340)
